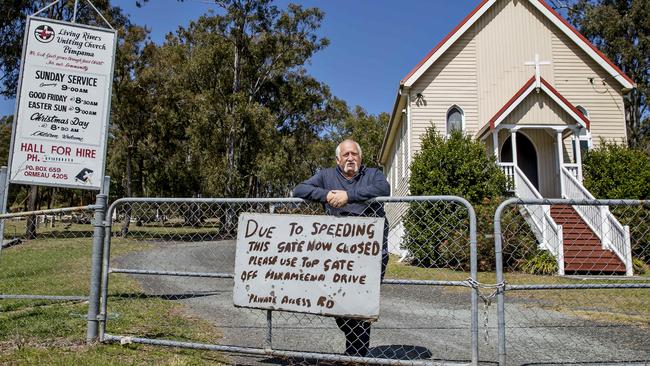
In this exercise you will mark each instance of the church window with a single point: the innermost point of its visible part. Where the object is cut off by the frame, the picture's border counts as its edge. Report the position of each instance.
(584, 135)
(455, 120)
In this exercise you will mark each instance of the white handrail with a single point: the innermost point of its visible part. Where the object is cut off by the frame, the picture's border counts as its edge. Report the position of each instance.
(509, 171)
(600, 220)
(573, 169)
(547, 231)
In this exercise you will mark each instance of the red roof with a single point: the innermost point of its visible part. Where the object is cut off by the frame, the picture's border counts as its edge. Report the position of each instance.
(444, 40)
(550, 88)
(480, 6)
(512, 100)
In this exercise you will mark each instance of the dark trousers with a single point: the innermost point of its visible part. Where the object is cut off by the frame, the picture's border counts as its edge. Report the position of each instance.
(357, 336)
(357, 332)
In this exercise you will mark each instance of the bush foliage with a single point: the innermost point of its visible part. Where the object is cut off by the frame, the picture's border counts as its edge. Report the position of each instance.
(616, 171)
(458, 166)
(437, 233)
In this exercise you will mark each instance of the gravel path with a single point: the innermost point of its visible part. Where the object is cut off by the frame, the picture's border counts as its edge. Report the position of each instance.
(416, 322)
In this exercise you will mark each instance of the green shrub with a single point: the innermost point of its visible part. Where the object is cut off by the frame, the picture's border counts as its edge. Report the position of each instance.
(458, 166)
(639, 266)
(437, 233)
(616, 171)
(517, 239)
(540, 263)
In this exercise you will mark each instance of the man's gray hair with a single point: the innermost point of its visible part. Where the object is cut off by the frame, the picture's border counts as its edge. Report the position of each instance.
(338, 147)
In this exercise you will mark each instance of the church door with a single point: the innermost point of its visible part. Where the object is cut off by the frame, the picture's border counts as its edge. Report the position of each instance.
(526, 157)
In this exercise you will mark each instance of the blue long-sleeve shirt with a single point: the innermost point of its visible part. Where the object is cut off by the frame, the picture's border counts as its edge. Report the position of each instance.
(368, 183)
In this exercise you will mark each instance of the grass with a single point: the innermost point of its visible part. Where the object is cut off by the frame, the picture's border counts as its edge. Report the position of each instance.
(53, 333)
(625, 306)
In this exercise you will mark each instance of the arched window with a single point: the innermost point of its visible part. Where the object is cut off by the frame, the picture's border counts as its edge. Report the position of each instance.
(583, 110)
(584, 135)
(455, 120)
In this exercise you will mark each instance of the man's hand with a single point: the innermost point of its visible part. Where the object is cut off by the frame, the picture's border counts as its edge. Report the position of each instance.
(337, 199)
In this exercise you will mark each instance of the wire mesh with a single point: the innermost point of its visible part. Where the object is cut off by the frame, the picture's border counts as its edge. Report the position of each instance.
(183, 252)
(44, 275)
(577, 281)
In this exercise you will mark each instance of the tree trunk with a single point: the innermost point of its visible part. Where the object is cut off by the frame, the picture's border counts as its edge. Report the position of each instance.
(30, 232)
(50, 199)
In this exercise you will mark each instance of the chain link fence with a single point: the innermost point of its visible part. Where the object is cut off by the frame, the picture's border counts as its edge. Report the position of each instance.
(44, 274)
(183, 251)
(574, 281)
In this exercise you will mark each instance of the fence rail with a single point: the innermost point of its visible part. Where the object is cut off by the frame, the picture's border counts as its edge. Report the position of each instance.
(195, 229)
(32, 235)
(595, 313)
(150, 262)
(608, 229)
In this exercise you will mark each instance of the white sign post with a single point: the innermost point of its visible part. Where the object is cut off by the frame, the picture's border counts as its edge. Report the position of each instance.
(310, 264)
(63, 105)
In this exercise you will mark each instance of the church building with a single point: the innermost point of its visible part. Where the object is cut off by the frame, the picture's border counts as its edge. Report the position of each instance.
(519, 77)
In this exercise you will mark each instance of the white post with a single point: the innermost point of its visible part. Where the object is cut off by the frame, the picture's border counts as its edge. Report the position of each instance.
(578, 153)
(513, 138)
(560, 161)
(604, 227)
(560, 252)
(495, 143)
(629, 271)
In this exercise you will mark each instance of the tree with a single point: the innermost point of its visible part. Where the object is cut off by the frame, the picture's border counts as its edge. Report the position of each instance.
(368, 130)
(621, 29)
(457, 166)
(234, 89)
(131, 107)
(6, 123)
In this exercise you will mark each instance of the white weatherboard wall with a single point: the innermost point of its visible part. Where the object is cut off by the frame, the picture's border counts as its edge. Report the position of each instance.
(322, 265)
(63, 105)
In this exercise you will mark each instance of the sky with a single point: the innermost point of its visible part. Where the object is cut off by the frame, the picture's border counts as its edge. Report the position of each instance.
(373, 43)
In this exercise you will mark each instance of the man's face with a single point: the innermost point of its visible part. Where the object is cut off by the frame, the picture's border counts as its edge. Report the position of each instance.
(349, 159)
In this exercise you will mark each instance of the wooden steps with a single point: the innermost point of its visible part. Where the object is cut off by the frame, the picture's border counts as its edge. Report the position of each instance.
(583, 251)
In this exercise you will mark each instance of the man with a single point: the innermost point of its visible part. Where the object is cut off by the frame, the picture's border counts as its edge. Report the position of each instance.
(343, 190)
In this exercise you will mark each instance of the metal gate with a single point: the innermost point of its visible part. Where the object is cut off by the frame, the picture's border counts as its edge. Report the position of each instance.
(159, 253)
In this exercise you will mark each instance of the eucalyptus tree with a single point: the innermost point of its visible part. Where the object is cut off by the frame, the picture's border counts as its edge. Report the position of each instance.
(235, 84)
(621, 29)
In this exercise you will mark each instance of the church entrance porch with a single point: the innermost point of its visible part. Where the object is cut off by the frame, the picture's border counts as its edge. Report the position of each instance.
(526, 157)
(545, 162)
(541, 154)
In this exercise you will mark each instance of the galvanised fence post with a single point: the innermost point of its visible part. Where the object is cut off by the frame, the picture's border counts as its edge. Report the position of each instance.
(4, 192)
(498, 249)
(474, 276)
(96, 269)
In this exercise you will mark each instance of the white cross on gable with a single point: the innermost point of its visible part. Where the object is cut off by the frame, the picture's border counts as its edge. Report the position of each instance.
(538, 72)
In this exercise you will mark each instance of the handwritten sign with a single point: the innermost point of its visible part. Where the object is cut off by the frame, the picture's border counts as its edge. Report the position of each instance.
(63, 105)
(312, 264)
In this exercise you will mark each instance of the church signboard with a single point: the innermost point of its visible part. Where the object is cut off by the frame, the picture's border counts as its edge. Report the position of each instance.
(63, 105)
